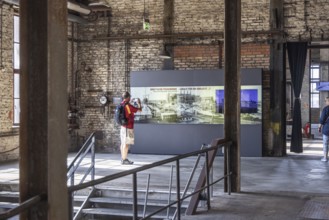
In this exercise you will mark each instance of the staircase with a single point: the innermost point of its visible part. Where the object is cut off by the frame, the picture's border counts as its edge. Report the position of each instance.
(8, 200)
(111, 196)
(110, 203)
(117, 203)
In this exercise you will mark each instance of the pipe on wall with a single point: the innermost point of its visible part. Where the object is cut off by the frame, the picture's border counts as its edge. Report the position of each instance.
(76, 19)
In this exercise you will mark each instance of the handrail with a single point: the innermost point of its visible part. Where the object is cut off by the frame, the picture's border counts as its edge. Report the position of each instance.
(42, 197)
(145, 167)
(23, 206)
(214, 146)
(84, 146)
(88, 146)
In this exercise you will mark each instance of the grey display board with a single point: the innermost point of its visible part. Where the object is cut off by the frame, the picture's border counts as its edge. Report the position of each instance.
(183, 138)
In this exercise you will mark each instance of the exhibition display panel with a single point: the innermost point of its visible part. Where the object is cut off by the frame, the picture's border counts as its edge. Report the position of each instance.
(184, 109)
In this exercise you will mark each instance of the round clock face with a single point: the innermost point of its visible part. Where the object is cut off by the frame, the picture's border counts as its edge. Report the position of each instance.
(103, 100)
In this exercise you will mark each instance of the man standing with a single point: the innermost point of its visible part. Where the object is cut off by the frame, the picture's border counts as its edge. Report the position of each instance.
(127, 131)
(324, 128)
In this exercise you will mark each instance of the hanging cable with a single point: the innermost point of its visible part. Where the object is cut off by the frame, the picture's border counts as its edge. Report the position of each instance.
(72, 59)
(1, 32)
(126, 64)
(144, 9)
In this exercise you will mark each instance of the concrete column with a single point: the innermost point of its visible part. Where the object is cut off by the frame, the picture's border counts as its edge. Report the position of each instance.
(232, 48)
(43, 126)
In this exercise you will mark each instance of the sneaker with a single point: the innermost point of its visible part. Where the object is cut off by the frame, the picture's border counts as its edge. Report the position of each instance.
(324, 159)
(126, 162)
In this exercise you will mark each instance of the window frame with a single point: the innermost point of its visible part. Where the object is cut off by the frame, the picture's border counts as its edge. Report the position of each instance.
(314, 80)
(16, 72)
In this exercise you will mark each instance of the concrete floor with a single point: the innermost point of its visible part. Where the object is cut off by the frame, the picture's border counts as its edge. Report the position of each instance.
(292, 187)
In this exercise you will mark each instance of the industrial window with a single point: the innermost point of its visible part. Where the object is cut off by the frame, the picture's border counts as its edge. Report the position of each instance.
(16, 96)
(314, 79)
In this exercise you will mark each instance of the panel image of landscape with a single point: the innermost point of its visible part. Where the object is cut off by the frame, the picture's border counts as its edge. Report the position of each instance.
(179, 105)
(193, 105)
(250, 105)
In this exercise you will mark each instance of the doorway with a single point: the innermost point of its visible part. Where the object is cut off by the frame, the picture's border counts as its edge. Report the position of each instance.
(316, 72)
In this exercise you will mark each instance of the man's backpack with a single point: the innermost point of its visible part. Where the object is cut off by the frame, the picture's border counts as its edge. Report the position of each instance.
(119, 115)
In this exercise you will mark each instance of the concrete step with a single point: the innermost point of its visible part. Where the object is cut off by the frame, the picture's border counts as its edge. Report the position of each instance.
(8, 196)
(8, 205)
(9, 187)
(119, 213)
(128, 201)
(157, 194)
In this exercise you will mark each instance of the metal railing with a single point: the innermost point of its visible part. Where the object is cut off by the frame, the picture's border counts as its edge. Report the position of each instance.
(35, 200)
(214, 147)
(88, 146)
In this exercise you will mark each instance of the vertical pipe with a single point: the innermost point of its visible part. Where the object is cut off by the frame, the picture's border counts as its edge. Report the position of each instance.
(146, 194)
(170, 187)
(126, 41)
(189, 180)
(1, 30)
(207, 180)
(109, 81)
(135, 211)
(72, 59)
(72, 176)
(178, 189)
(211, 177)
(228, 168)
(93, 158)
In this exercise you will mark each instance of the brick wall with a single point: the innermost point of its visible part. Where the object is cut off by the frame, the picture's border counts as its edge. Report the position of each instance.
(9, 146)
(306, 20)
(109, 62)
(255, 55)
(188, 57)
(112, 60)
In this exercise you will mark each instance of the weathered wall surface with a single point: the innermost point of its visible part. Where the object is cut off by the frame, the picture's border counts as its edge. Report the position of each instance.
(100, 66)
(8, 133)
(112, 60)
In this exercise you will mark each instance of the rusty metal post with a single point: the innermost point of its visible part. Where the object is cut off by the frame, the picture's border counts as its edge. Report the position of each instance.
(43, 92)
(232, 48)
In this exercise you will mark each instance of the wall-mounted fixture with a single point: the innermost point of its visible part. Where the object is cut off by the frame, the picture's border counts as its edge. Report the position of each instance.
(103, 99)
(78, 8)
(99, 4)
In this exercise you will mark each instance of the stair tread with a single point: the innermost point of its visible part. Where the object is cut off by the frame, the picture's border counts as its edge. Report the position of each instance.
(103, 187)
(118, 212)
(9, 194)
(154, 202)
(8, 205)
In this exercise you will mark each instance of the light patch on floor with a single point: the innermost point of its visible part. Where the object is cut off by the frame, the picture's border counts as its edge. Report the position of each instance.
(316, 174)
(318, 171)
(315, 210)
